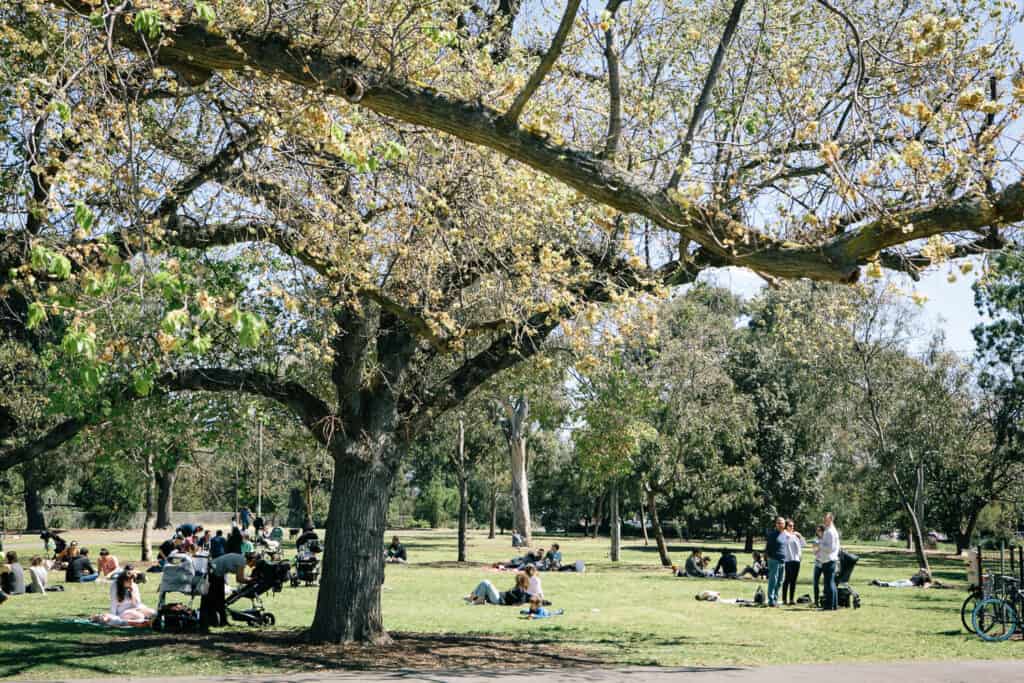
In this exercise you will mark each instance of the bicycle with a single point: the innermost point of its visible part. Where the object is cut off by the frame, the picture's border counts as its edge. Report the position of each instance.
(996, 618)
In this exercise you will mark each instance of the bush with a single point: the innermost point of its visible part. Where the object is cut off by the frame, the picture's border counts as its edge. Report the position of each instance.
(110, 492)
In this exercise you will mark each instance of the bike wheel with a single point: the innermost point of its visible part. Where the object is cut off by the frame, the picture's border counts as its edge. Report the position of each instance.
(994, 620)
(967, 611)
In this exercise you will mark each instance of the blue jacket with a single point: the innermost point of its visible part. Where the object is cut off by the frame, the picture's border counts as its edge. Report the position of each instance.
(773, 549)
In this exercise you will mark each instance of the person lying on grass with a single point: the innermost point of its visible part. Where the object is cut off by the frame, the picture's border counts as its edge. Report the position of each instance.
(485, 593)
(922, 579)
(538, 611)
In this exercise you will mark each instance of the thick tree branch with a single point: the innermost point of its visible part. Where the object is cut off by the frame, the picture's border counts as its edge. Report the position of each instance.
(611, 56)
(548, 61)
(709, 84)
(191, 45)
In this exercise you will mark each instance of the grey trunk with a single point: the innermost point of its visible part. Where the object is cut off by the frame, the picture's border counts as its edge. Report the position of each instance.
(615, 524)
(35, 515)
(165, 498)
(659, 534)
(146, 554)
(348, 605)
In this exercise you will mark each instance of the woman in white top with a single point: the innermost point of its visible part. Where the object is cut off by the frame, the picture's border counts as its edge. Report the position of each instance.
(126, 602)
(534, 589)
(792, 543)
(37, 572)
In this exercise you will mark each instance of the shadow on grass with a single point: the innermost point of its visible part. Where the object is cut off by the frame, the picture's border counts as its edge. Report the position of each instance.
(56, 645)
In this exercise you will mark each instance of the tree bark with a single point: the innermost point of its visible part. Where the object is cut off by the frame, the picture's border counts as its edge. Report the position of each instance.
(615, 524)
(308, 522)
(35, 515)
(963, 537)
(145, 555)
(463, 491)
(643, 517)
(748, 545)
(598, 511)
(494, 512)
(659, 534)
(915, 524)
(515, 426)
(348, 605)
(165, 497)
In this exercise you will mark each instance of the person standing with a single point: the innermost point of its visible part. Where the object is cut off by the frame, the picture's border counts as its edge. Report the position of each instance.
(218, 545)
(818, 531)
(794, 543)
(243, 517)
(774, 551)
(828, 556)
(212, 609)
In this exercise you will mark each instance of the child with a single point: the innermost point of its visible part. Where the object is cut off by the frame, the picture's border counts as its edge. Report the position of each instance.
(537, 610)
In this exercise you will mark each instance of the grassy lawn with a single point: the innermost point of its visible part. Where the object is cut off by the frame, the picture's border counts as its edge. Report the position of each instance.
(635, 613)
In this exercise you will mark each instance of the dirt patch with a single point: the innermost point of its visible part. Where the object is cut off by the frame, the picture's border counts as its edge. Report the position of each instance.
(289, 650)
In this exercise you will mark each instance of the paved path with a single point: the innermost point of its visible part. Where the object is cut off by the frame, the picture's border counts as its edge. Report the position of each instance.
(942, 672)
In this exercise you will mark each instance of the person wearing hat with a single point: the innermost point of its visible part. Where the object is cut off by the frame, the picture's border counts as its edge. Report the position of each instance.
(108, 565)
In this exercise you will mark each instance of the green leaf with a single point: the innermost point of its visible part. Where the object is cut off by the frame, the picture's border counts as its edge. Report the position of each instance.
(199, 344)
(36, 315)
(148, 22)
(59, 266)
(175, 321)
(63, 111)
(205, 12)
(84, 217)
(142, 381)
(250, 328)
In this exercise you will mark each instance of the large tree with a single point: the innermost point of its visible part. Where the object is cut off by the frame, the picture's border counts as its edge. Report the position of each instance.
(419, 266)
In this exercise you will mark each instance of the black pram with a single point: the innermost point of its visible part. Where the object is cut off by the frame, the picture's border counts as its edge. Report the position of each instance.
(845, 595)
(266, 577)
(307, 564)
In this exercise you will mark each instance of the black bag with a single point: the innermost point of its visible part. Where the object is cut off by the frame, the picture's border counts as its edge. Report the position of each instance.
(176, 618)
(847, 597)
(759, 596)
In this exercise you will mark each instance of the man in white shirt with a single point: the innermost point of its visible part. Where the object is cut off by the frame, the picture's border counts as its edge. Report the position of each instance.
(827, 555)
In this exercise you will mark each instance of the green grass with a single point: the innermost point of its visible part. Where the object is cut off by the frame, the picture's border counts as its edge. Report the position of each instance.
(634, 612)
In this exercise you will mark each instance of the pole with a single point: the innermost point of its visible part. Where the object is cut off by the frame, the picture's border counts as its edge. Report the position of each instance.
(259, 470)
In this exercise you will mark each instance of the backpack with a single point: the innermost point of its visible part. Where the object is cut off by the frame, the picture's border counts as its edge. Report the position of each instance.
(759, 596)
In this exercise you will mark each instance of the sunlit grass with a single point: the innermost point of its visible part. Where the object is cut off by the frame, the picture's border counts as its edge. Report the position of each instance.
(635, 612)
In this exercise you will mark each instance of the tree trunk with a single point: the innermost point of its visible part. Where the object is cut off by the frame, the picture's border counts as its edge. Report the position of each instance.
(35, 515)
(963, 538)
(643, 517)
(915, 524)
(598, 514)
(615, 524)
(308, 522)
(145, 555)
(494, 512)
(165, 498)
(515, 425)
(748, 545)
(659, 535)
(463, 491)
(348, 605)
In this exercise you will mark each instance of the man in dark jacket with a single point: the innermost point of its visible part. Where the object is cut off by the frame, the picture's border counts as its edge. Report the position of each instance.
(12, 575)
(80, 569)
(218, 545)
(775, 553)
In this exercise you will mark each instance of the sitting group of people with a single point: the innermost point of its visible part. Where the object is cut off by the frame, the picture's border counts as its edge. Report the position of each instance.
(697, 566)
(15, 580)
(539, 559)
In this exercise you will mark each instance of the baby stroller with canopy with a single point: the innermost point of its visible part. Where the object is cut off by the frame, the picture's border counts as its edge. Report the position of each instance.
(846, 596)
(179, 576)
(266, 577)
(307, 564)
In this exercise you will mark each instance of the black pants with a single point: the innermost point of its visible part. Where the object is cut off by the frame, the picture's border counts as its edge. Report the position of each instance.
(213, 610)
(789, 582)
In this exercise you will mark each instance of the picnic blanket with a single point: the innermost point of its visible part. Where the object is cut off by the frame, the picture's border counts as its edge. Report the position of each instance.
(113, 623)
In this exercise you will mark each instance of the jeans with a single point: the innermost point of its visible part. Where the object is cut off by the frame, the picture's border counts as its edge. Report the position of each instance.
(789, 583)
(828, 571)
(775, 570)
(88, 577)
(817, 579)
(487, 591)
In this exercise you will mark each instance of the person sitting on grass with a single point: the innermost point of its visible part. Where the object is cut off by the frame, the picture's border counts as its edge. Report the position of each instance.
(12, 575)
(108, 565)
(758, 569)
(922, 579)
(247, 546)
(517, 539)
(533, 588)
(396, 552)
(726, 566)
(81, 570)
(694, 565)
(63, 558)
(126, 605)
(39, 577)
(486, 594)
(553, 559)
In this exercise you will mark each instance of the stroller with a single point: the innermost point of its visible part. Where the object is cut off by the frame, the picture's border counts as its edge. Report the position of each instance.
(269, 547)
(179, 576)
(266, 577)
(307, 564)
(845, 595)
